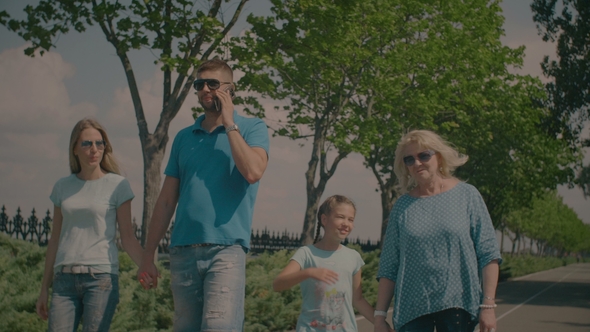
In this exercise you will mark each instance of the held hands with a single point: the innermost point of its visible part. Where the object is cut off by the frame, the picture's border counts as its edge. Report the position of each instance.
(148, 275)
(42, 305)
(326, 275)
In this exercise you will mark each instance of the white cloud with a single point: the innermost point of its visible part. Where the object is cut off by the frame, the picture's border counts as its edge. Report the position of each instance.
(33, 93)
(37, 117)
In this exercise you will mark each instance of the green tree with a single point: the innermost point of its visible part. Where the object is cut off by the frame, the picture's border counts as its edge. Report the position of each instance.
(447, 71)
(551, 223)
(313, 55)
(569, 90)
(181, 34)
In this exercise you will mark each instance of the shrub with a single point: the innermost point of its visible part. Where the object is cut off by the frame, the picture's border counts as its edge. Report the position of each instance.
(520, 265)
(21, 272)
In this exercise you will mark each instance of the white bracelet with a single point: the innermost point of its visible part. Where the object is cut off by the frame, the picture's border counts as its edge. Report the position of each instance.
(488, 298)
(488, 306)
(380, 313)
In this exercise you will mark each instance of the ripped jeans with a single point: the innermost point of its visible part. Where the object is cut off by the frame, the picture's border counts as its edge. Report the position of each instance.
(208, 287)
(91, 298)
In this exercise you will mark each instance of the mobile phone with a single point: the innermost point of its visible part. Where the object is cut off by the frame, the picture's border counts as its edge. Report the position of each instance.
(218, 102)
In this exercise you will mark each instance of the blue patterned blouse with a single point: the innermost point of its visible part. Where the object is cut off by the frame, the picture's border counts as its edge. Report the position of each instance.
(434, 250)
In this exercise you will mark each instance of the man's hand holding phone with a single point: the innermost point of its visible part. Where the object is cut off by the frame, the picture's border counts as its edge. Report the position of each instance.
(223, 100)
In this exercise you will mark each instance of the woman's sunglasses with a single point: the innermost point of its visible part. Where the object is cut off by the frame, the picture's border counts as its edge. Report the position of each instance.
(422, 156)
(212, 83)
(100, 144)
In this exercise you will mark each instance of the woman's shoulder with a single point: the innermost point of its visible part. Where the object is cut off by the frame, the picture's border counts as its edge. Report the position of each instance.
(67, 179)
(466, 187)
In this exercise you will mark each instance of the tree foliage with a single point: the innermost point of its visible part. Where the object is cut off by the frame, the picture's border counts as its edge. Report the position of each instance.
(569, 90)
(315, 56)
(447, 70)
(551, 224)
(181, 34)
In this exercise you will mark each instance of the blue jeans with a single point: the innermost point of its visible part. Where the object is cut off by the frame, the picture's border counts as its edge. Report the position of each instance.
(449, 320)
(208, 285)
(90, 297)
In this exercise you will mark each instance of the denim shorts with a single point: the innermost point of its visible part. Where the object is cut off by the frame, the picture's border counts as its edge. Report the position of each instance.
(208, 285)
(91, 298)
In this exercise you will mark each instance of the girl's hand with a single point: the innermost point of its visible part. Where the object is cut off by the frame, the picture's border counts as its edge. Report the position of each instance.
(42, 305)
(326, 275)
(487, 320)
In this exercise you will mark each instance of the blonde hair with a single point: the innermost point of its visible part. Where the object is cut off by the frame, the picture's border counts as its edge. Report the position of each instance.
(449, 157)
(108, 162)
(326, 208)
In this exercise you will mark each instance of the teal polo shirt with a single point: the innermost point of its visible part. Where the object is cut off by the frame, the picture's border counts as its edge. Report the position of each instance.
(215, 203)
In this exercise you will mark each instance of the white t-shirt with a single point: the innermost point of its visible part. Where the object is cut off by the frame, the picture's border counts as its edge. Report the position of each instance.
(89, 210)
(328, 307)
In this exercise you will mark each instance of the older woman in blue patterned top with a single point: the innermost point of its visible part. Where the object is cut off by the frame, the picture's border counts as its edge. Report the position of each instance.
(439, 242)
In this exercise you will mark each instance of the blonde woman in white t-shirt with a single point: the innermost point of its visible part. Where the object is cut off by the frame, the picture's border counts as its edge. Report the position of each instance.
(82, 256)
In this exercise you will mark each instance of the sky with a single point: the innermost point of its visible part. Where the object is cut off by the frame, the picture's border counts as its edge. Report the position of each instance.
(41, 99)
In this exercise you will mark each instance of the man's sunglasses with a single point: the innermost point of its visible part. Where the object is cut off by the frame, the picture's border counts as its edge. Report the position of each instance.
(100, 144)
(422, 156)
(212, 83)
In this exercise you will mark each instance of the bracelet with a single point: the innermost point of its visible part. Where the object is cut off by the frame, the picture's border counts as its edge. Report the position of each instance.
(488, 306)
(489, 298)
(380, 313)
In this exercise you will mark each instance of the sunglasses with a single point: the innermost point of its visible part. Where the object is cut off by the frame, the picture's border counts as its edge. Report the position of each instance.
(212, 83)
(422, 156)
(100, 144)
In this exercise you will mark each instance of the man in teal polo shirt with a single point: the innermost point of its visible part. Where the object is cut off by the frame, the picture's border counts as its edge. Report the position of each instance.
(211, 181)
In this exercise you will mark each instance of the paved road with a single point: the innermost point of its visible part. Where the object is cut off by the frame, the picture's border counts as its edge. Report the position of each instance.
(554, 300)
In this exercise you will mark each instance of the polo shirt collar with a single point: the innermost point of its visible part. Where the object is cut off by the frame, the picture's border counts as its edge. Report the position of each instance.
(197, 125)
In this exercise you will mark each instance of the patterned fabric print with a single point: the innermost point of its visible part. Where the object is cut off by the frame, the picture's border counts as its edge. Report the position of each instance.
(434, 250)
(328, 307)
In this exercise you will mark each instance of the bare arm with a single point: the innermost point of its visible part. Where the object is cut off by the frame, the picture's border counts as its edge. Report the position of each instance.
(49, 262)
(487, 317)
(358, 300)
(163, 211)
(292, 275)
(384, 297)
(128, 240)
(250, 161)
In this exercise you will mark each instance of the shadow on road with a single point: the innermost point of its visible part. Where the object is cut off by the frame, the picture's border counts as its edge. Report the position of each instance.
(515, 292)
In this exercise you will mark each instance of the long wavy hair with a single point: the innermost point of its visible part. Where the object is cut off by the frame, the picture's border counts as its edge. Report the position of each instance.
(449, 158)
(108, 163)
(326, 208)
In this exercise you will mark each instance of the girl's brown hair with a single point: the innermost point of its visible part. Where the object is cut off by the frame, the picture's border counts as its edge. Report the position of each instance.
(326, 208)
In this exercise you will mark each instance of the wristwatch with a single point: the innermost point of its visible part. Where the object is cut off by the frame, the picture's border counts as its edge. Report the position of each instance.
(232, 128)
(380, 313)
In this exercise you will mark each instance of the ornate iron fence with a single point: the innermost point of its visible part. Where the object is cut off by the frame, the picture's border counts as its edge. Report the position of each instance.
(39, 231)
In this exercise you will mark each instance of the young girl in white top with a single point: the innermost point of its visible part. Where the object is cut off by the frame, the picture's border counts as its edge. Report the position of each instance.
(82, 257)
(329, 273)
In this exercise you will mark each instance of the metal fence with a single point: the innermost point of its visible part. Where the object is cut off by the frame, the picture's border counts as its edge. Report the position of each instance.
(38, 231)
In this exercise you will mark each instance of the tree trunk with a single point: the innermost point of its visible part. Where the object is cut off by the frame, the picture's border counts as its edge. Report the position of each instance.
(309, 221)
(387, 201)
(318, 161)
(152, 180)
